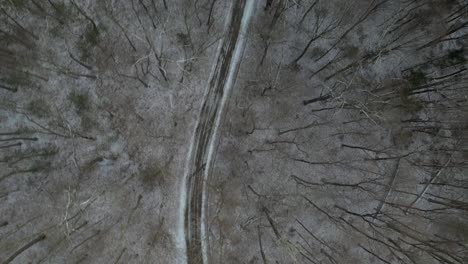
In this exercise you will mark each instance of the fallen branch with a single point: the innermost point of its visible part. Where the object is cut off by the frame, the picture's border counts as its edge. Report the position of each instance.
(24, 248)
(426, 188)
(265, 261)
(390, 188)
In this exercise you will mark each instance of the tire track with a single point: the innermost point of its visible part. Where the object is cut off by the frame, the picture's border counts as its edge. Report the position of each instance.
(203, 144)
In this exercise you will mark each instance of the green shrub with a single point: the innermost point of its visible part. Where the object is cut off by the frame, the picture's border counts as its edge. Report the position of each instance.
(409, 104)
(87, 42)
(17, 3)
(87, 122)
(16, 79)
(80, 101)
(416, 78)
(351, 52)
(152, 176)
(38, 107)
(183, 39)
(63, 11)
(92, 36)
(456, 57)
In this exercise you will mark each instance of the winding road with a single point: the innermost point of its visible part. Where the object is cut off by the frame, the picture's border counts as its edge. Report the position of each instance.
(192, 234)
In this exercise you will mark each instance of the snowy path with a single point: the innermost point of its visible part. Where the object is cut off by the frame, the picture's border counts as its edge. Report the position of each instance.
(192, 236)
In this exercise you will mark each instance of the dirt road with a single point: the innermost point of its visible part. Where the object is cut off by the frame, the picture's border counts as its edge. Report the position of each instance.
(203, 144)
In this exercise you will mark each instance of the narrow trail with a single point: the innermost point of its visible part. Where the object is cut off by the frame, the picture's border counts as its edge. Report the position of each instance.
(192, 232)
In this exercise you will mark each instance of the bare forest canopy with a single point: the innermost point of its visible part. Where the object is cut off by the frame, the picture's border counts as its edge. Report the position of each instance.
(243, 131)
